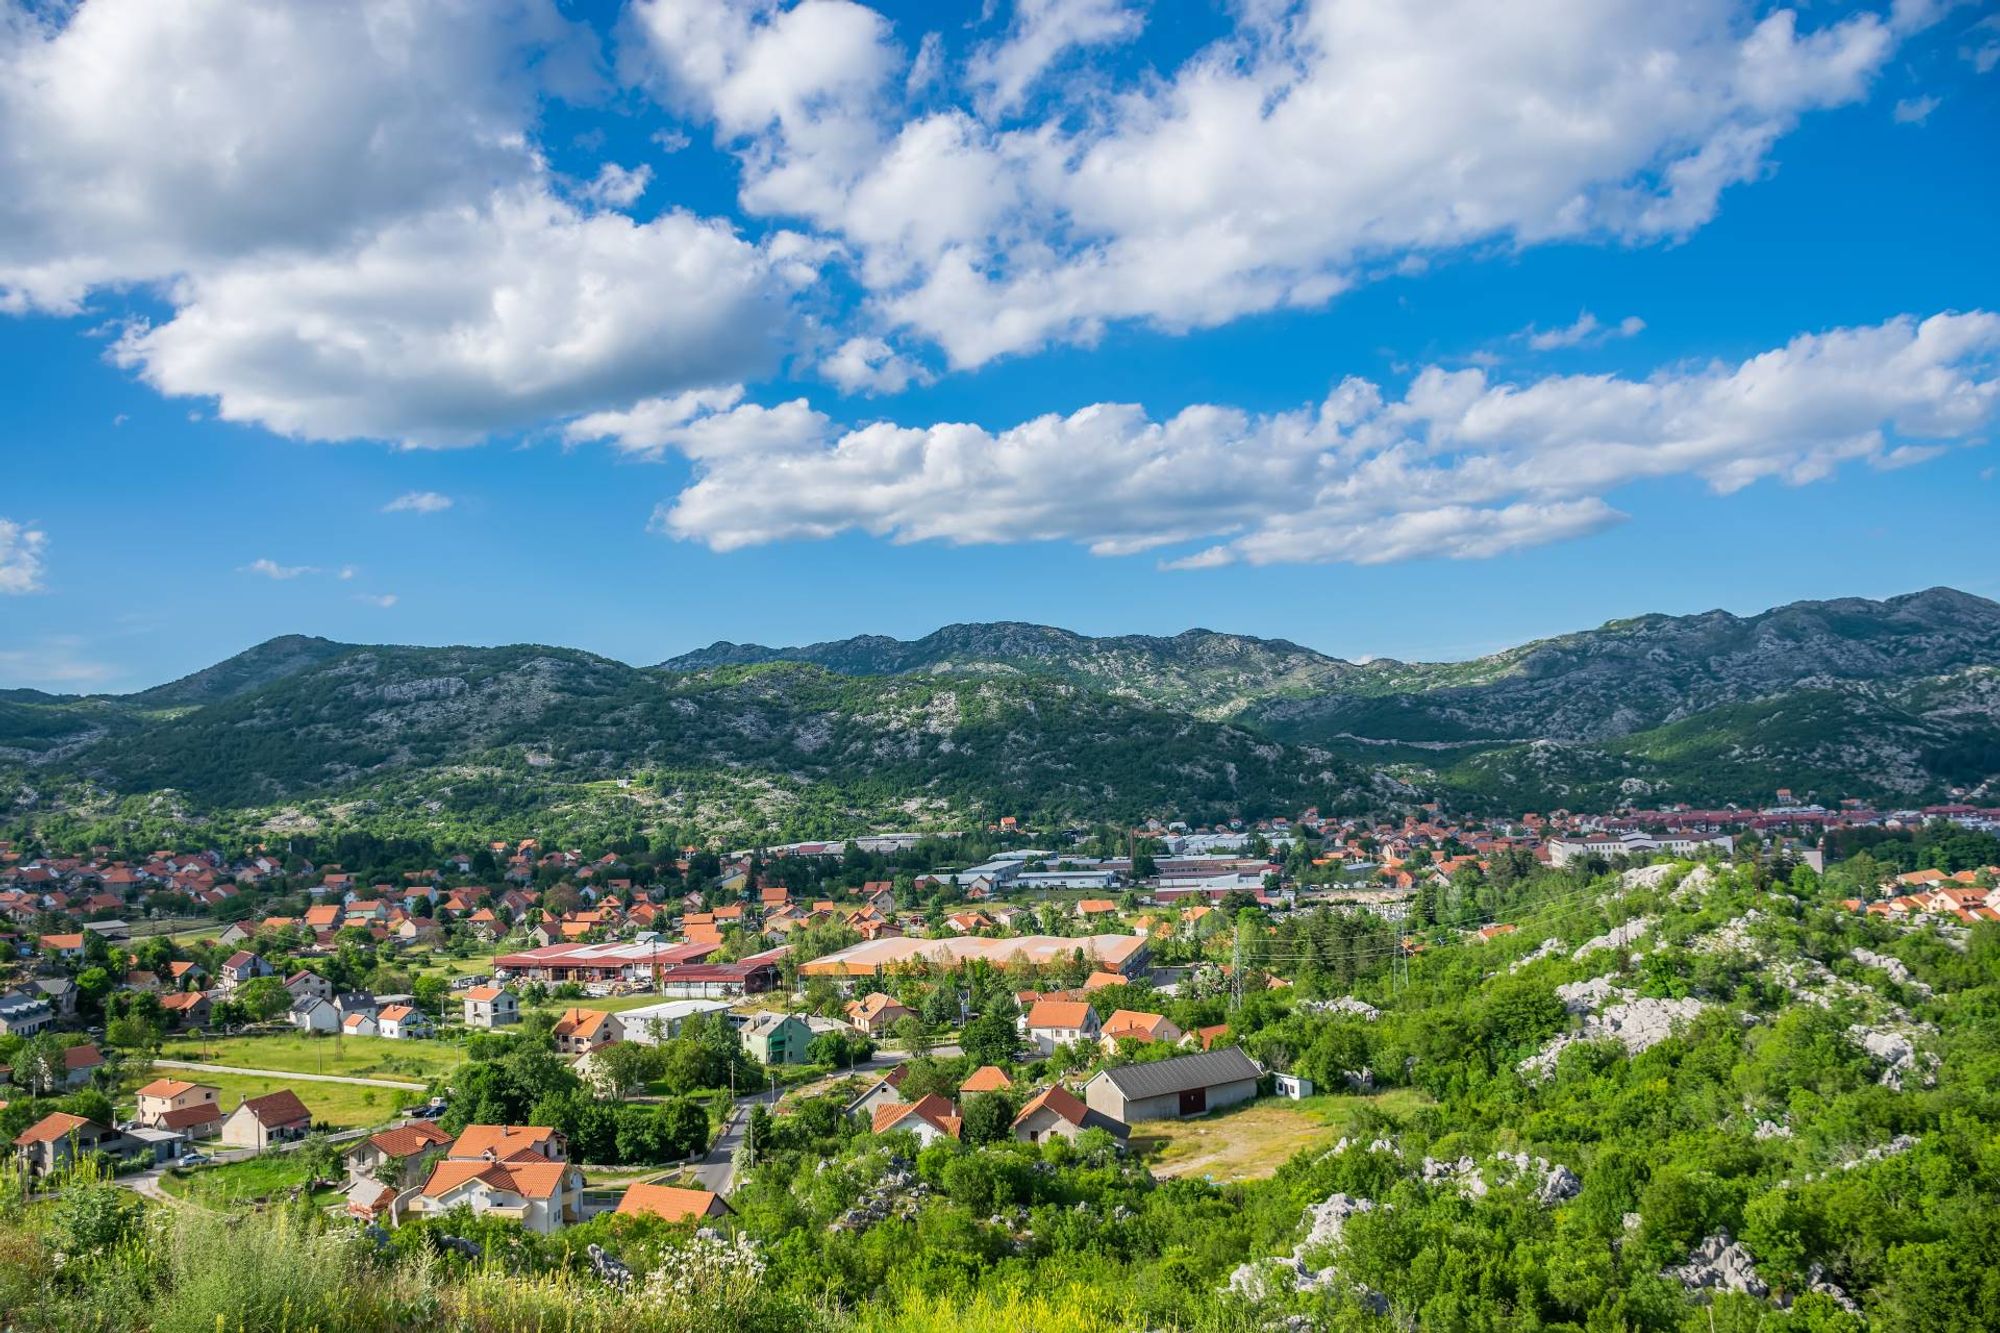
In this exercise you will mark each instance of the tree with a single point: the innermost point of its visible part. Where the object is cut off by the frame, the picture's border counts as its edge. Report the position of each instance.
(263, 998)
(989, 1039)
(93, 984)
(915, 1036)
(431, 991)
(39, 1065)
(989, 1118)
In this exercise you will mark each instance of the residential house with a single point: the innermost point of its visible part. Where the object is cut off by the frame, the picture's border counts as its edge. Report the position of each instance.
(60, 992)
(875, 1014)
(986, 1078)
(193, 1109)
(517, 1172)
(186, 1009)
(305, 984)
(403, 1022)
(1168, 1089)
(1136, 1025)
(882, 1092)
(67, 947)
(581, 1031)
(388, 1162)
(79, 1063)
(671, 1203)
(542, 1196)
(930, 1118)
(1055, 1112)
(491, 1007)
(777, 1039)
(313, 1014)
(260, 1122)
(24, 1013)
(52, 1142)
(360, 1025)
(1053, 1023)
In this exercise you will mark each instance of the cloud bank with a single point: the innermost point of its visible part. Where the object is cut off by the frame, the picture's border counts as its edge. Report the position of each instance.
(1460, 465)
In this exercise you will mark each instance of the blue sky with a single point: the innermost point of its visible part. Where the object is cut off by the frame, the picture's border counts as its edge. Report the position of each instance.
(790, 322)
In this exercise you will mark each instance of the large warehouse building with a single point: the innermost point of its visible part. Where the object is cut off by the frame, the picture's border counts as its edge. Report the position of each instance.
(1124, 954)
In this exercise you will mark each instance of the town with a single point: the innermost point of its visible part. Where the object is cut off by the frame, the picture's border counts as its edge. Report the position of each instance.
(201, 1021)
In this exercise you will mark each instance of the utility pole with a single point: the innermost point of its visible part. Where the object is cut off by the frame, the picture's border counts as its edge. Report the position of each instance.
(1236, 968)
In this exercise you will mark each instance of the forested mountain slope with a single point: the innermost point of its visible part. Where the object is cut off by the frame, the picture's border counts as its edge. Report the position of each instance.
(968, 746)
(1897, 701)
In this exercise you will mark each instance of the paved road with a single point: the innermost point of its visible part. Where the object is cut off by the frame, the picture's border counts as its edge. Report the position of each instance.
(717, 1171)
(287, 1074)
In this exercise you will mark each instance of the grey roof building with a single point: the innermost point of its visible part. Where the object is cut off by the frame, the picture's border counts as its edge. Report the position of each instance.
(1168, 1089)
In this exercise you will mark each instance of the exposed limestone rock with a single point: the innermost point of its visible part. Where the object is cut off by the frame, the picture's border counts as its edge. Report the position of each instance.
(1720, 1264)
(1327, 1223)
(1898, 973)
(1548, 948)
(1647, 877)
(897, 1194)
(1587, 997)
(1817, 1280)
(1346, 1004)
(1637, 1024)
(1618, 937)
(1731, 936)
(1896, 1049)
(1697, 882)
(1553, 1184)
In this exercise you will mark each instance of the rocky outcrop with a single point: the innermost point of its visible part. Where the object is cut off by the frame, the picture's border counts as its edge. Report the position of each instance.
(1552, 1184)
(1548, 948)
(1895, 1049)
(897, 1193)
(1618, 937)
(1326, 1225)
(1346, 1004)
(1637, 1024)
(1898, 972)
(1720, 1264)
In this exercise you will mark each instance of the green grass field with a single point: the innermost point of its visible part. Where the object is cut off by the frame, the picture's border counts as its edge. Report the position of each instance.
(270, 1177)
(480, 964)
(336, 1105)
(297, 1053)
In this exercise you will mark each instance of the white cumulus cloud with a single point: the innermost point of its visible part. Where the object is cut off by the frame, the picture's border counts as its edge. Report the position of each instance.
(1585, 331)
(442, 329)
(1460, 465)
(271, 569)
(349, 220)
(21, 550)
(1316, 144)
(1041, 33)
(417, 502)
(618, 187)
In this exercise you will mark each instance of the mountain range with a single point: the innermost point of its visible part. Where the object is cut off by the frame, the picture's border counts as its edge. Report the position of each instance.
(1895, 700)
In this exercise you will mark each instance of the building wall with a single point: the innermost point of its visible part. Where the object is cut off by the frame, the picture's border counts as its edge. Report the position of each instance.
(1043, 1125)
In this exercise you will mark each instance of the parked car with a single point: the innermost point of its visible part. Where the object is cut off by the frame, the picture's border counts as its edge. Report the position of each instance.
(194, 1159)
